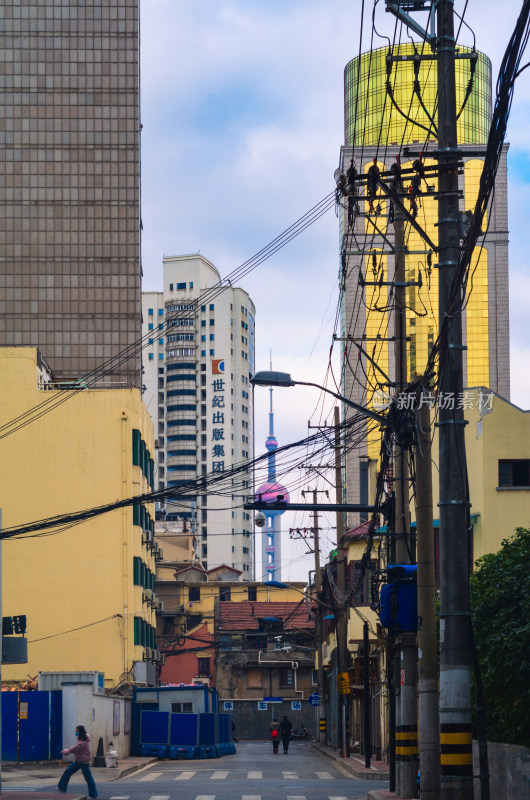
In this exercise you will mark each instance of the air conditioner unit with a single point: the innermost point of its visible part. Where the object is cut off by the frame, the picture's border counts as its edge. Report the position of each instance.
(147, 654)
(160, 605)
(182, 608)
(156, 656)
(147, 596)
(148, 538)
(162, 659)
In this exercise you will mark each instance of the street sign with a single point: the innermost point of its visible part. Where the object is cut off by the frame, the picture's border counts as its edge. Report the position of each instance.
(296, 705)
(343, 682)
(273, 699)
(262, 706)
(314, 699)
(228, 705)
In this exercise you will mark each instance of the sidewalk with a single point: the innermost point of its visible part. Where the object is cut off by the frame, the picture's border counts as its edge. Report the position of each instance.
(28, 775)
(378, 770)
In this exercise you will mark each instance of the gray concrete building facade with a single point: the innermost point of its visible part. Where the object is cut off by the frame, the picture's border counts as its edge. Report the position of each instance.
(70, 273)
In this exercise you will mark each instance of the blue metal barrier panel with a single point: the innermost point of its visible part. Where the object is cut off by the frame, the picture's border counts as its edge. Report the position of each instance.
(154, 727)
(207, 725)
(9, 726)
(184, 730)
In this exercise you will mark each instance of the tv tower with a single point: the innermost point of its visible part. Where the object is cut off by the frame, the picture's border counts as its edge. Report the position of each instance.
(271, 547)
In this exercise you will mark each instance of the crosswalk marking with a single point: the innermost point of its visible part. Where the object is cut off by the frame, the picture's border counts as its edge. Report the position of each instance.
(205, 797)
(251, 797)
(324, 776)
(289, 775)
(255, 775)
(184, 776)
(337, 798)
(150, 776)
(219, 775)
(120, 797)
(296, 797)
(159, 797)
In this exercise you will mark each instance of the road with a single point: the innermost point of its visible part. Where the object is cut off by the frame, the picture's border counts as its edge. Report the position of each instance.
(253, 773)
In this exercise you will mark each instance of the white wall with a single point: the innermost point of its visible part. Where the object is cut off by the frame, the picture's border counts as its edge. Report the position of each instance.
(96, 713)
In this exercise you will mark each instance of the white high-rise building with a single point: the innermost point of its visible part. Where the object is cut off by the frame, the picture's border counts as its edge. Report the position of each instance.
(196, 370)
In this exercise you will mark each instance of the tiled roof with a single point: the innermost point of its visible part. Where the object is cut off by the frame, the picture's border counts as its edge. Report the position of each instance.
(360, 532)
(244, 616)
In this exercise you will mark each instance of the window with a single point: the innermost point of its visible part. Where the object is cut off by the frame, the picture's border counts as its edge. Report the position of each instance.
(194, 593)
(170, 287)
(286, 677)
(181, 286)
(212, 337)
(360, 586)
(160, 312)
(161, 341)
(182, 708)
(150, 341)
(224, 594)
(151, 326)
(151, 357)
(203, 667)
(161, 356)
(212, 306)
(252, 593)
(150, 311)
(254, 679)
(514, 473)
(212, 322)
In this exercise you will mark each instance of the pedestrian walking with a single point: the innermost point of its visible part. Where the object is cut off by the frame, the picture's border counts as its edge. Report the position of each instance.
(83, 756)
(286, 727)
(275, 735)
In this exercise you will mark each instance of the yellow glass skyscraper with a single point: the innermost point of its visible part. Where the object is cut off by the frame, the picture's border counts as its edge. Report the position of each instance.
(391, 111)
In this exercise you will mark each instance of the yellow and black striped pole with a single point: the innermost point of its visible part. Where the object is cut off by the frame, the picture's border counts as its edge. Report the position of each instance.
(406, 743)
(456, 753)
(323, 725)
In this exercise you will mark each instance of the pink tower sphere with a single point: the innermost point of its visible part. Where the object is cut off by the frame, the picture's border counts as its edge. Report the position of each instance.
(269, 493)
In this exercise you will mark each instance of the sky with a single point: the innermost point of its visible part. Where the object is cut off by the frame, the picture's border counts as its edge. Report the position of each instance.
(242, 115)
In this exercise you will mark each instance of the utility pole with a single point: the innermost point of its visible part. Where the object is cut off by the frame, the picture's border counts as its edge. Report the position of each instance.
(342, 617)
(429, 738)
(319, 624)
(406, 712)
(455, 652)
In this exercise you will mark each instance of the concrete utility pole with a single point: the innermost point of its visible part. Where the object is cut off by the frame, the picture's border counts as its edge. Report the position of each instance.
(322, 734)
(455, 655)
(342, 618)
(406, 711)
(429, 736)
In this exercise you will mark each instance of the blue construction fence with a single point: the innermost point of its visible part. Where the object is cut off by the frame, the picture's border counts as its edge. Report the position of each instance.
(185, 736)
(32, 726)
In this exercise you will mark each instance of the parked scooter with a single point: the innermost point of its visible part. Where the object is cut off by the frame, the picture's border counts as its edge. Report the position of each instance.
(303, 734)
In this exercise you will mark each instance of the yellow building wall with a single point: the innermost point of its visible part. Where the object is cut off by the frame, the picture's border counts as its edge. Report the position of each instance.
(75, 586)
(495, 512)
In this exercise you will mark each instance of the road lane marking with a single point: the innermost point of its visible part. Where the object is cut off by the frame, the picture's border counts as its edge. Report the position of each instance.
(255, 775)
(219, 775)
(185, 776)
(325, 776)
(151, 776)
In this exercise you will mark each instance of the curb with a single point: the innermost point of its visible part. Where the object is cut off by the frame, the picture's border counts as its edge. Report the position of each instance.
(361, 774)
(122, 773)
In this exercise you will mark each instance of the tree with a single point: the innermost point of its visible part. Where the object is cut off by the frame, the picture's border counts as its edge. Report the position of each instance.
(500, 606)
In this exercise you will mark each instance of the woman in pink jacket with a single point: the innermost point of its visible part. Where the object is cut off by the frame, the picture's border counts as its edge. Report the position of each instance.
(83, 756)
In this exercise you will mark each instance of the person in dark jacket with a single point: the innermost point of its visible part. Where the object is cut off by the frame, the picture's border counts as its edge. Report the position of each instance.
(83, 756)
(286, 727)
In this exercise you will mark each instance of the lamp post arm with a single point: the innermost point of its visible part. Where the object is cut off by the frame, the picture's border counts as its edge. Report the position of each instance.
(363, 410)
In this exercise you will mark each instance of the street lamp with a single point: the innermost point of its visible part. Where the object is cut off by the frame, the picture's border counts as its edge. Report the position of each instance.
(273, 378)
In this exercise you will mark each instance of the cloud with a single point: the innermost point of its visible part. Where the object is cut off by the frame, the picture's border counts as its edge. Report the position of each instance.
(242, 111)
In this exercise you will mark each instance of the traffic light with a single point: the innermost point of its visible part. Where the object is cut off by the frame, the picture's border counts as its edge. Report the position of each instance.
(399, 599)
(19, 623)
(11, 625)
(7, 626)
